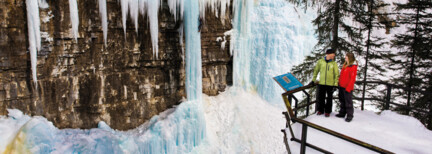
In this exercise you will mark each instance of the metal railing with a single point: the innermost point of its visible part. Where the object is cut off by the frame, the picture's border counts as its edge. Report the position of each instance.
(387, 100)
(291, 115)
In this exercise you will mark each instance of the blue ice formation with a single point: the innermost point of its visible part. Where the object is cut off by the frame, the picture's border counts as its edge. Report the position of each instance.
(268, 38)
(176, 130)
(193, 50)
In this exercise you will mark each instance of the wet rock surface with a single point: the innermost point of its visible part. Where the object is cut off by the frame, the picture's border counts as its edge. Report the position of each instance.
(83, 82)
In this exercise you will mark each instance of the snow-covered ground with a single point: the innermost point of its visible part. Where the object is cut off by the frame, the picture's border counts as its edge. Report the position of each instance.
(242, 122)
(391, 131)
(236, 122)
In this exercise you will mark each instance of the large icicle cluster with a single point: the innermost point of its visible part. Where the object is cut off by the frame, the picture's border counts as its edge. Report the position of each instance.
(104, 19)
(152, 12)
(219, 7)
(125, 10)
(145, 7)
(133, 8)
(214, 6)
(33, 23)
(73, 9)
(176, 8)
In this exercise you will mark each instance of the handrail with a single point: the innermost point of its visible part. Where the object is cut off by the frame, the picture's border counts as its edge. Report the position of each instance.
(386, 100)
(291, 115)
(396, 86)
(336, 134)
(400, 105)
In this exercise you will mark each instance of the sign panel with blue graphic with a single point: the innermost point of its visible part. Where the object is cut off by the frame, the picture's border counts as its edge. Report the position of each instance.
(288, 82)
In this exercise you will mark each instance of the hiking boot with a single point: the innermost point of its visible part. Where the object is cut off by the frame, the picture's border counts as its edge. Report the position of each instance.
(319, 113)
(340, 115)
(348, 119)
(327, 114)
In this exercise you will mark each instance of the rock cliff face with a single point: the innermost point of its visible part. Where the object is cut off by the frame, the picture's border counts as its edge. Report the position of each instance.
(83, 82)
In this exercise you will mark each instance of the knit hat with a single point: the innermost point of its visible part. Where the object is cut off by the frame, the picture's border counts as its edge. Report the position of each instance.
(330, 51)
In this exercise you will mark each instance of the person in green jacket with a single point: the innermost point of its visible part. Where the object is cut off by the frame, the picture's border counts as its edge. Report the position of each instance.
(328, 81)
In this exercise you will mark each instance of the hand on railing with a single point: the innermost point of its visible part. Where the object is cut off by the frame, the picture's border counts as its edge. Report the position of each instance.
(313, 83)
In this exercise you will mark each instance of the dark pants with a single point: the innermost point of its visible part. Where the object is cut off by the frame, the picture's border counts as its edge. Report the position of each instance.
(346, 106)
(323, 106)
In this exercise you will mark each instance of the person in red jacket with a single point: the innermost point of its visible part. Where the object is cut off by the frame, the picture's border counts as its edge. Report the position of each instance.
(346, 85)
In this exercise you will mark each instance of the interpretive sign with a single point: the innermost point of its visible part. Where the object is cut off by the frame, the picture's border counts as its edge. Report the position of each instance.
(288, 82)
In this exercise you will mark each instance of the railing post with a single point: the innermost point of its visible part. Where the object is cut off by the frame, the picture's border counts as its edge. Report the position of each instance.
(307, 101)
(303, 139)
(316, 96)
(364, 92)
(295, 104)
(286, 142)
(430, 113)
(388, 97)
(290, 98)
(409, 99)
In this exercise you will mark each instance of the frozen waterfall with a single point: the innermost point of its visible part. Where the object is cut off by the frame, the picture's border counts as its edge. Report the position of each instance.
(269, 37)
(177, 130)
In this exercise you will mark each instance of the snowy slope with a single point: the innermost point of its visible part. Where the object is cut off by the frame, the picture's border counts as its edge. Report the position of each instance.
(242, 122)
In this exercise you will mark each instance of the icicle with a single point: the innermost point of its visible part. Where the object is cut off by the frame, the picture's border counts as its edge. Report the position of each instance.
(133, 9)
(180, 31)
(73, 9)
(224, 4)
(103, 14)
(214, 5)
(149, 7)
(176, 8)
(43, 4)
(152, 7)
(143, 7)
(33, 23)
(124, 8)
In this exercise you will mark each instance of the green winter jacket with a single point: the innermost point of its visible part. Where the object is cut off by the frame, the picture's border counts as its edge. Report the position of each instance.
(329, 72)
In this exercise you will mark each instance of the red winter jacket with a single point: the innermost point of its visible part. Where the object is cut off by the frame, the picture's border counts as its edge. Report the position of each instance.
(348, 77)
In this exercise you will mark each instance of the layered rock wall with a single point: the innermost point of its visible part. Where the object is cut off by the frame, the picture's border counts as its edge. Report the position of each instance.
(83, 82)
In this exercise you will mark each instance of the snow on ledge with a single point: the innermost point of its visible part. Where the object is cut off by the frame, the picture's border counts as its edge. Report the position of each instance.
(388, 130)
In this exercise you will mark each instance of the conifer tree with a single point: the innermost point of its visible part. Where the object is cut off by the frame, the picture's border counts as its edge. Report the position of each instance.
(371, 20)
(414, 59)
(334, 30)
